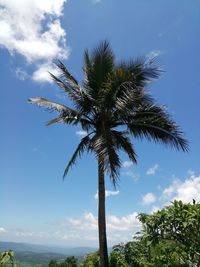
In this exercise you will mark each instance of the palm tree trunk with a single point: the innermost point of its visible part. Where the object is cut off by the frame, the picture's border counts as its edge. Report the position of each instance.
(102, 219)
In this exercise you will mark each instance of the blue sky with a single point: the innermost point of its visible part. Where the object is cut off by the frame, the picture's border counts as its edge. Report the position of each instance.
(36, 205)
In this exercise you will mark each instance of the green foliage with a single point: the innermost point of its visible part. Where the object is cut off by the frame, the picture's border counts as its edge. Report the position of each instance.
(175, 232)
(6, 259)
(170, 238)
(91, 260)
(53, 263)
(68, 262)
(117, 260)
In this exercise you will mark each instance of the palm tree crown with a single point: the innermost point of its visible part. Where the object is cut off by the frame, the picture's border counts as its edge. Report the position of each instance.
(111, 105)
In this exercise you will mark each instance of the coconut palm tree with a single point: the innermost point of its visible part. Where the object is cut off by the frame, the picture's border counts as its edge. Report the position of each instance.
(112, 105)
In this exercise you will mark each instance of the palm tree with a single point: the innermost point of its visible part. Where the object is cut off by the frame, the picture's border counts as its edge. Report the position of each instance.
(112, 105)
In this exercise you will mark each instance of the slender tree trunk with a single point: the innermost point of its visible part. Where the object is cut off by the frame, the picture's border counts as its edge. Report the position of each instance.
(102, 219)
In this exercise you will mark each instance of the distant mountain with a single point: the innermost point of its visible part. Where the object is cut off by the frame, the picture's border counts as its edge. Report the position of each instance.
(25, 247)
(31, 255)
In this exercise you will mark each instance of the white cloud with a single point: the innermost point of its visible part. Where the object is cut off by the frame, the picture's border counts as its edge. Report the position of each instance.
(21, 74)
(2, 230)
(149, 198)
(23, 234)
(153, 54)
(127, 164)
(152, 170)
(32, 29)
(134, 176)
(87, 222)
(183, 190)
(119, 229)
(81, 133)
(191, 173)
(124, 223)
(108, 194)
(42, 73)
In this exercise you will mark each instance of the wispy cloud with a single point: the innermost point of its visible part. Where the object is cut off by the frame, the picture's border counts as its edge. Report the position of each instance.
(81, 133)
(32, 29)
(154, 54)
(2, 230)
(21, 74)
(148, 199)
(96, 1)
(133, 175)
(108, 194)
(127, 164)
(152, 170)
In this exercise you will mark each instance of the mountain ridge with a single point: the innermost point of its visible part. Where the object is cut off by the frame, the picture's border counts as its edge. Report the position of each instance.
(37, 248)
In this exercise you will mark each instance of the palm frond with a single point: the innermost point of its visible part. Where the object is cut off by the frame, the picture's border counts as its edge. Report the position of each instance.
(155, 124)
(106, 153)
(143, 70)
(87, 62)
(67, 74)
(43, 102)
(132, 98)
(83, 145)
(67, 119)
(98, 66)
(55, 120)
(67, 88)
(74, 119)
(123, 142)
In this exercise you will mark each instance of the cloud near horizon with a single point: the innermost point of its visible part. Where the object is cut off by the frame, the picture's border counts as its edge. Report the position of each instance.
(119, 229)
(82, 231)
(32, 29)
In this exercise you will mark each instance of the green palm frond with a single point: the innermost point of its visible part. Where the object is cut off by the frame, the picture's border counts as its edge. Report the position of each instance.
(74, 119)
(123, 142)
(158, 128)
(143, 70)
(67, 75)
(43, 102)
(84, 144)
(98, 66)
(106, 153)
(67, 88)
(87, 62)
(67, 119)
(55, 120)
(132, 98)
